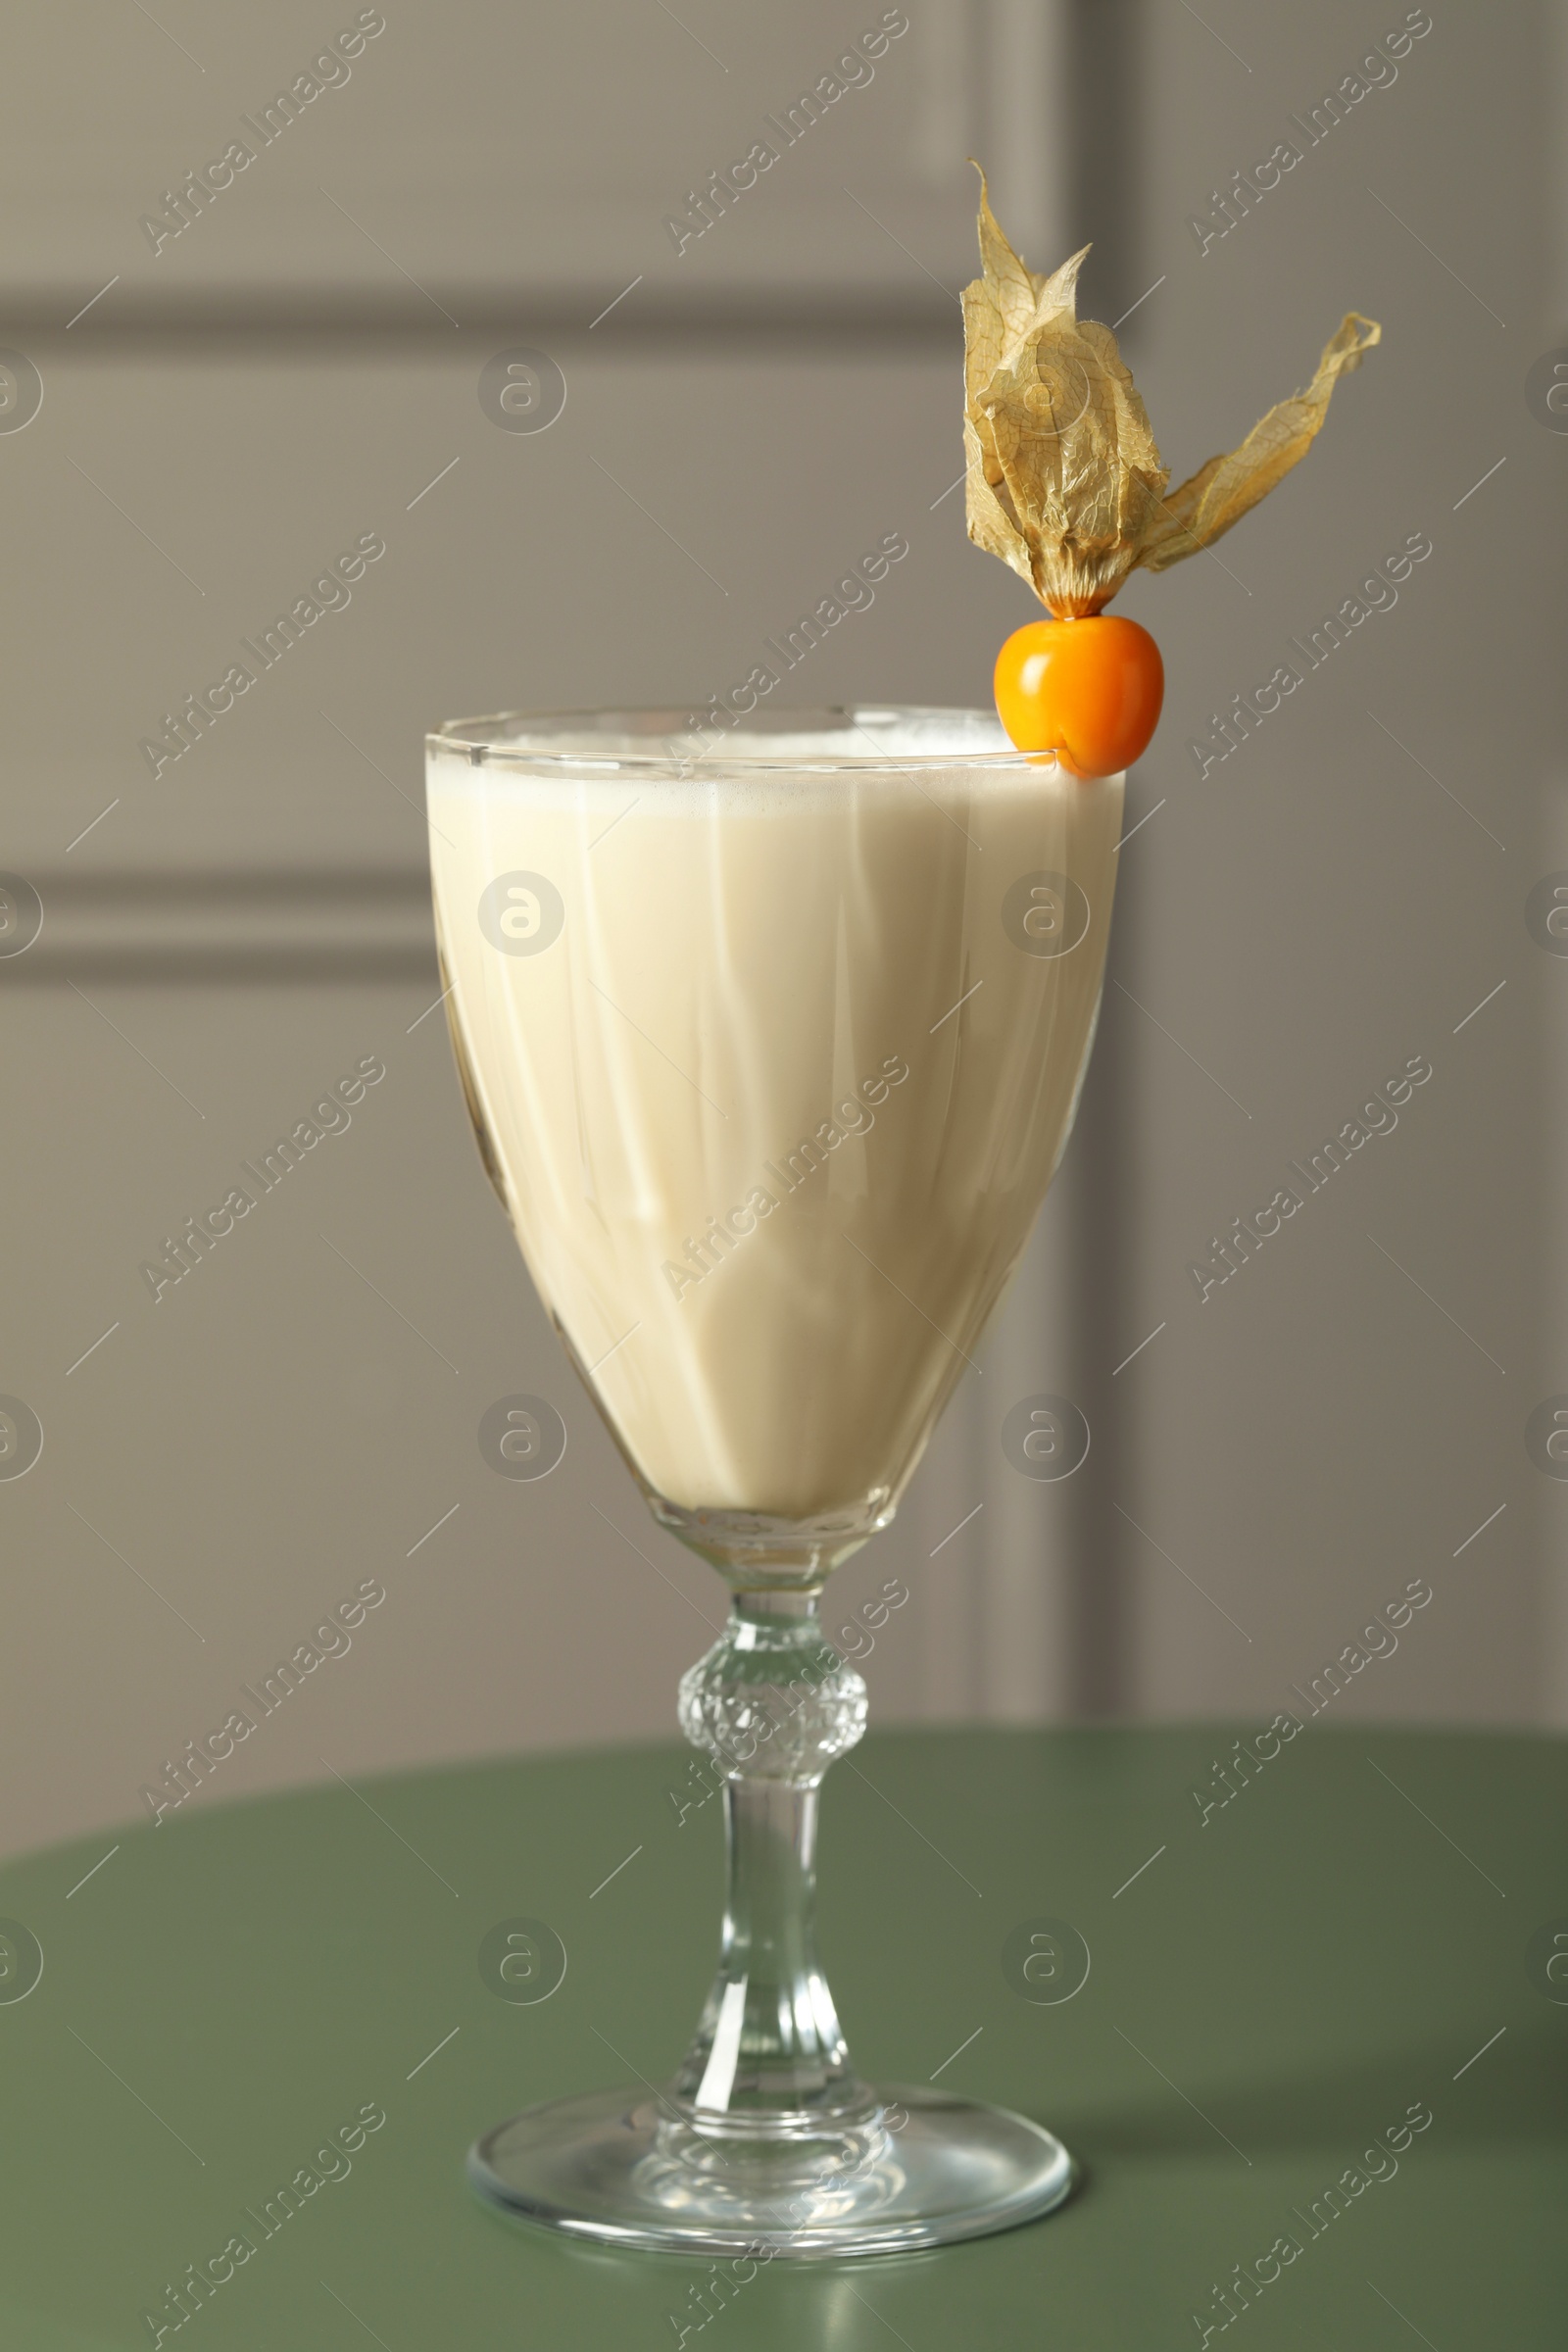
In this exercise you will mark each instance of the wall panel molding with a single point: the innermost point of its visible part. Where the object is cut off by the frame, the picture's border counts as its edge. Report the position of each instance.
(265, 927)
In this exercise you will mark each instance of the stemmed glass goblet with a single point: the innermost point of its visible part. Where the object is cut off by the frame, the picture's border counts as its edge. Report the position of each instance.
(772, 1044)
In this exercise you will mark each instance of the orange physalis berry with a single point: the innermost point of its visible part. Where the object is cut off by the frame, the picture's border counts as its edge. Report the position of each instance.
(1089, 690)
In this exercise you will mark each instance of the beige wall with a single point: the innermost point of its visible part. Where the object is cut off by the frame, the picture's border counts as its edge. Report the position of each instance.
(234, 409)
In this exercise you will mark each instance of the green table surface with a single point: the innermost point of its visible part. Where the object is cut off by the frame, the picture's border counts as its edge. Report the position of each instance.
(1266, 2002)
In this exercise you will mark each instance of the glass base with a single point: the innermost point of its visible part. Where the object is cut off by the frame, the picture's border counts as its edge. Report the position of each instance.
(923, 2168)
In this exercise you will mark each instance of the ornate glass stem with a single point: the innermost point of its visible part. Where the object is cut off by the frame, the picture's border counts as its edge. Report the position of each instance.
(767, 2142)
(774, 1704)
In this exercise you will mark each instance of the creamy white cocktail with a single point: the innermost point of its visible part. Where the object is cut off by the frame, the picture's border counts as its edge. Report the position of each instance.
(772, 1049)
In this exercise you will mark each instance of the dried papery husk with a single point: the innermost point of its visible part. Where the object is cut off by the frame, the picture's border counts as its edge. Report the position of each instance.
(1064, 480)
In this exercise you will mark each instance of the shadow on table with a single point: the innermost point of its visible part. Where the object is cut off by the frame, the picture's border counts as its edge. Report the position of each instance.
(1512, 2095)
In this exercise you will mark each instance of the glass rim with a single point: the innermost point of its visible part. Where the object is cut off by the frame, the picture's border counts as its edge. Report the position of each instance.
(503, 738)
